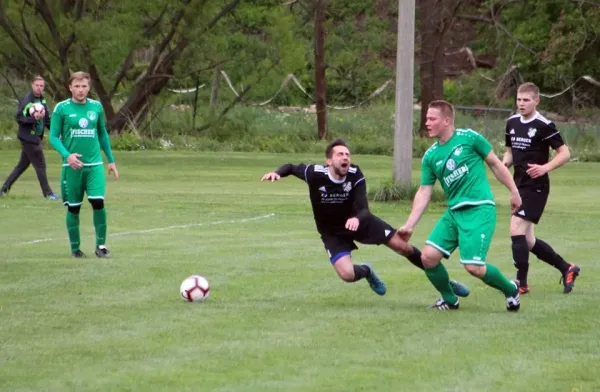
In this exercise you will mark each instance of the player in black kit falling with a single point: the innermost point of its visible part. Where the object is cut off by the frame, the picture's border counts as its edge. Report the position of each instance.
(341, 212)
(529, 136)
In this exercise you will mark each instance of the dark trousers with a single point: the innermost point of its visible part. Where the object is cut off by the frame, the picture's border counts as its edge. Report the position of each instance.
(30, 154)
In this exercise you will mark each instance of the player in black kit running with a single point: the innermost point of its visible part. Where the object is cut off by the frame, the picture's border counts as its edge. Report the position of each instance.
(529, 136)
(338, 195)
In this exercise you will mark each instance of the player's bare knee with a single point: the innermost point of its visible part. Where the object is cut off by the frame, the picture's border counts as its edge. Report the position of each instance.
(345, 268)
(430, 257)
(97, 204)
(477, 271)
(519, 226)
(530, 236)
(346, 274)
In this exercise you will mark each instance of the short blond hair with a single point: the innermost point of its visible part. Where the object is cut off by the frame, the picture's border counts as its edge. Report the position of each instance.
(79, 75)
(529, 88)
(444, 107)
(36, 78)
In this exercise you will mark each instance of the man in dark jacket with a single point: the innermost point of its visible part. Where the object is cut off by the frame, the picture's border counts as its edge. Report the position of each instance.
(31, 133)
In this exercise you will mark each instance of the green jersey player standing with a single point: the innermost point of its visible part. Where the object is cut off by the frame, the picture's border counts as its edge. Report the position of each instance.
(78, 132)
(456, 160)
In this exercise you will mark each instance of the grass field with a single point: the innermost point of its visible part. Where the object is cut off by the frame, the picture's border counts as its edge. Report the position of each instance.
(278, 318)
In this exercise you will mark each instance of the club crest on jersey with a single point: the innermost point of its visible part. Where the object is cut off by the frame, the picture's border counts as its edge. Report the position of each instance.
(91, 115)
(83, 122)
(458, 150)
(347, 187)
(450, 164)
(531, 132)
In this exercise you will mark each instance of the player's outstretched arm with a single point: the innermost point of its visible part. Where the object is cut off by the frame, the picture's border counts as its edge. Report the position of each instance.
(507, 159)
(420, 202)
(299, 171)
(503, 175)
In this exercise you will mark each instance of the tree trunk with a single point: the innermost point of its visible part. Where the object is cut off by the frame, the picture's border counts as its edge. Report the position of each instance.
(138, 103)
(320, 80)
(431, 79)
(436, 18)
(403, 132)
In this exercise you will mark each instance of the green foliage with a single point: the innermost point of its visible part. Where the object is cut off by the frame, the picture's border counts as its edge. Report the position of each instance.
(394, 191)
(473, 90)
(557, 45)
(127, 141)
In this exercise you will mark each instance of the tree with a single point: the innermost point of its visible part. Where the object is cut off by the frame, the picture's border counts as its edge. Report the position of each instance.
(436, 19)
(403, 134)
(553, 44)
(320, 78)
(56, 38)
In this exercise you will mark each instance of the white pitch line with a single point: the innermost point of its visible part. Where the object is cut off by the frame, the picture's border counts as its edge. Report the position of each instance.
(222, 222)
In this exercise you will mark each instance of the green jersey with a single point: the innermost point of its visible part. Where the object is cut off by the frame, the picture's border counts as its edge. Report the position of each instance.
(459, 166)
(80, 128)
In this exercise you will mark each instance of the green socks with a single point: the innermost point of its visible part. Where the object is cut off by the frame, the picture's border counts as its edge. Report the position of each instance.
(438, 276)
(494, 278)
(73, 230)
(100, 226)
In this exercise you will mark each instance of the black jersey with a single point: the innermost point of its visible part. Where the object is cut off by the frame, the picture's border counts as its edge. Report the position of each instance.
(530, 141)
(333, 202)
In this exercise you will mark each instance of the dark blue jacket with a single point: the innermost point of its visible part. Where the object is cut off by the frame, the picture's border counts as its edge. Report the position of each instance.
(30, 129)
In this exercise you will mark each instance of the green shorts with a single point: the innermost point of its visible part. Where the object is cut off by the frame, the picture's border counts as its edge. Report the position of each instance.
(74, 183)
(469, 229)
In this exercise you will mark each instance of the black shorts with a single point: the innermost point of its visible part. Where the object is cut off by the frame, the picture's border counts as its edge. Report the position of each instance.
(533, 203)
(371, 231)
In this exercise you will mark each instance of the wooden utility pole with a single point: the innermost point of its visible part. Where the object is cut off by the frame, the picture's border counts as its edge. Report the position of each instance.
(320, 80)
(403, 132)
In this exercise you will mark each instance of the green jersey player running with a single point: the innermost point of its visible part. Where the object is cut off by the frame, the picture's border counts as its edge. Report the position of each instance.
(456, 160)
(78, 132)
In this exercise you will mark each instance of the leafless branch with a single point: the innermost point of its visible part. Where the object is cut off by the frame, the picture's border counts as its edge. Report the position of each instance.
(175, 21)
(98, 85)
(11, 86)
(43, 44)
(30, 43)
(127, 63)
(42, 7)
(450, 20)
(228, 8)
(479, 18)
(593, 3)
(78, 15)
(148, 30)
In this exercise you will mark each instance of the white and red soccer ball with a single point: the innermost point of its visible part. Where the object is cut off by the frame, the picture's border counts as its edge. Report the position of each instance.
(37, 108)
(194, 288)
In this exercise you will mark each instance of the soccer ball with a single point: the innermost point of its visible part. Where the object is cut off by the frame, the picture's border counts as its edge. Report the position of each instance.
(194, 288)
(36, 108)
